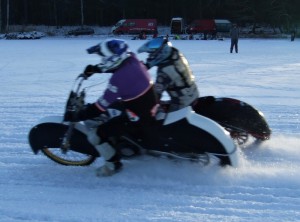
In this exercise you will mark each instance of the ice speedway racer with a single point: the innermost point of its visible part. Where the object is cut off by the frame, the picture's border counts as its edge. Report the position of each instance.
(211, 130)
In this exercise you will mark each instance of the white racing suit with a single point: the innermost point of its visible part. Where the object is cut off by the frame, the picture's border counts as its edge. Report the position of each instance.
(176, 78)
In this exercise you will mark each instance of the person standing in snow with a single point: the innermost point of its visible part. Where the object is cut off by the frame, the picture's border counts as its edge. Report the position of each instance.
(173, 73)
(293, 35)
(131, 84)
(234, 35)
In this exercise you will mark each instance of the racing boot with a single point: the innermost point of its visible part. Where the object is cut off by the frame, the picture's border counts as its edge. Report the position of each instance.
(112, 160)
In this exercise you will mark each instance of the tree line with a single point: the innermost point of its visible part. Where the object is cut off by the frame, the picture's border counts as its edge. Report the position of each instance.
(277, 13)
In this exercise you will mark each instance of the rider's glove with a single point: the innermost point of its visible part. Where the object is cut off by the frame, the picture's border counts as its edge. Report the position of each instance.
(71, 116)
(90, 70)
(89, 111)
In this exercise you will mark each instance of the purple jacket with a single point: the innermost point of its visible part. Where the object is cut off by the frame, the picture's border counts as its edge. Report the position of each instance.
(130, 83)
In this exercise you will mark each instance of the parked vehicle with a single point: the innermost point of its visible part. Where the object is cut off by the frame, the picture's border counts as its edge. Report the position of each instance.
(209, 26)
(135, 26)
(223, 25)
(252, 29)
(82, 31)
(177, 26)
(204, 26)
(24, 35)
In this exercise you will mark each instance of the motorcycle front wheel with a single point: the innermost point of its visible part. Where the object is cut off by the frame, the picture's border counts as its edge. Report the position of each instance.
(70, 158)
(47, 137)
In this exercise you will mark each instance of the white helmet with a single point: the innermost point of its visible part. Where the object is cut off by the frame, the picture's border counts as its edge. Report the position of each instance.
(159, 50)
(113, 53)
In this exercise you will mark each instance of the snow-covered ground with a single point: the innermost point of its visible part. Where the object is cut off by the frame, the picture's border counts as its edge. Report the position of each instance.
(36, 76)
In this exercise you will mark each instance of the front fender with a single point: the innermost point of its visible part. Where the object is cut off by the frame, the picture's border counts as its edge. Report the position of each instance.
(51, 119)
(60, 120)
(49, 132)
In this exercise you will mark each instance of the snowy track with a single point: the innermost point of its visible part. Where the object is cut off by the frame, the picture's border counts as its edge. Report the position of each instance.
(36, 77)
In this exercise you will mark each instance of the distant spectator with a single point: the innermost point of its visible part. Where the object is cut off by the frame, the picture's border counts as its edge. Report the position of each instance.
(142, 35)
(214, 35)
(191, 36)
(155, 34)
(293, 35)
(177, 37)
(234, 35)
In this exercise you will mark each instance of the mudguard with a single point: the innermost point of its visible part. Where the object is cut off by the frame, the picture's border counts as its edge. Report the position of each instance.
(60, 120)
(216, 140)
(49, 132)
(234, 113)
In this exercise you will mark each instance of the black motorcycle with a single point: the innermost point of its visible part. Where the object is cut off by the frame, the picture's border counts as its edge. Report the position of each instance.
(202, 133)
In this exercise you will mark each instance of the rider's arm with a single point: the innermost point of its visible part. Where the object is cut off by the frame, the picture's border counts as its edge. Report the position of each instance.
(161, 83)
(147, 65)
(90, 70)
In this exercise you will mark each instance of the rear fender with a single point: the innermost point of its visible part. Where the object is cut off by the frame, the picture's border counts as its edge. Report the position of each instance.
(234, 113)
(208, 125)
(218, 132)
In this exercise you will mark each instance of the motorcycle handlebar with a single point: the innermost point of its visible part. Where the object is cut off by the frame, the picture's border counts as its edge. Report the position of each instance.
(78, 82)
(82, 75)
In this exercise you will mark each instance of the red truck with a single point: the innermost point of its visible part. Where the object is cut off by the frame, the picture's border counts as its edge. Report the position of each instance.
(135, 26)
(209, 26)
(205, 26)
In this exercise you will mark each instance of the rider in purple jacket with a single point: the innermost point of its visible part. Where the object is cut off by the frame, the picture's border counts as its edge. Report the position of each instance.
(130, 84)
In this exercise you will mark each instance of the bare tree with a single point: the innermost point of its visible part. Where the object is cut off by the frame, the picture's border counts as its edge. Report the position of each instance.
(25, 12)
(55, 13)
(82, 15)
(0, 16)
(7, 15)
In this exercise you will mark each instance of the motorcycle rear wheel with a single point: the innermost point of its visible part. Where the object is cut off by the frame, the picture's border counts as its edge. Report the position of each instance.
(70, 158)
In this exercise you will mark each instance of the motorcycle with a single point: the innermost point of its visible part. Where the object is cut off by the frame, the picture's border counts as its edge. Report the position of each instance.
(183, 134)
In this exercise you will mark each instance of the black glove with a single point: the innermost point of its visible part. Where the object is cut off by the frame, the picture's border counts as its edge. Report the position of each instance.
(89, 111)
(90, 70)
(71, 116)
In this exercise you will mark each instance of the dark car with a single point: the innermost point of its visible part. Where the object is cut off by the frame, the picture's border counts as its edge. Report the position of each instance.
(25, 35)
(82, 31)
